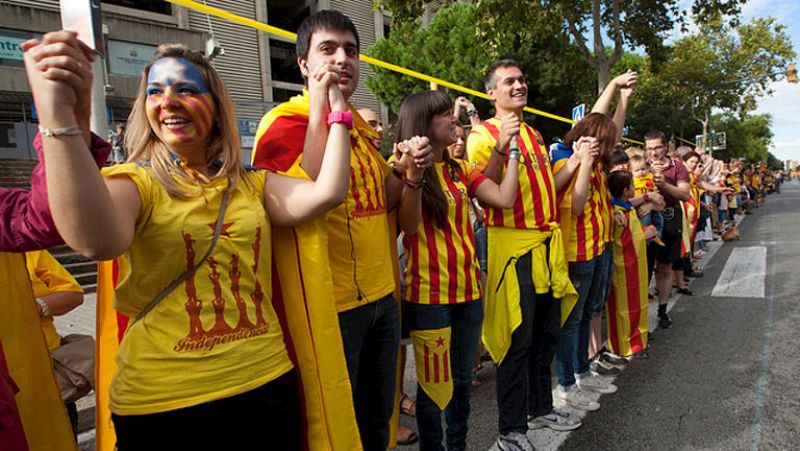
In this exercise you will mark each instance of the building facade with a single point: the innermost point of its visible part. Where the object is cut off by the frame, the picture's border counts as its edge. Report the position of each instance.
(260, 70)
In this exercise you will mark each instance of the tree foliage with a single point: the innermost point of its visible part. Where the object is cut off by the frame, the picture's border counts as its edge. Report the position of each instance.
(748, 136)
(455, 48)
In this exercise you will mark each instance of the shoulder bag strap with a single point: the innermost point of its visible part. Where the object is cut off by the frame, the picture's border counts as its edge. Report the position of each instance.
(217, 229)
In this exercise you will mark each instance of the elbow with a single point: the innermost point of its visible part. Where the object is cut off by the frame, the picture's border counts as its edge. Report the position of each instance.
(508, 202)
(97, 252)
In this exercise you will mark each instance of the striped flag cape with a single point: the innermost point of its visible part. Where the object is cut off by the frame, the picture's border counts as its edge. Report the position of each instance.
(311, 330)
(44, 422)
(627, 300)
(691, 214)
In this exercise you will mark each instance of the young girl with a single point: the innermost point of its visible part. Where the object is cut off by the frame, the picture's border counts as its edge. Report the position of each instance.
(442, 278)
(203, 365)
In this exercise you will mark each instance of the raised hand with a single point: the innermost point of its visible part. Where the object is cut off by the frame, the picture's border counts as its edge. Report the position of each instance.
(627, 80)
(60, 75)
(509, 128)
(323, 83)
(416, 156)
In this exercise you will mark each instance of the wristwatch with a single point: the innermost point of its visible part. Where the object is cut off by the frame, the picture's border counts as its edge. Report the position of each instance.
(341, 117)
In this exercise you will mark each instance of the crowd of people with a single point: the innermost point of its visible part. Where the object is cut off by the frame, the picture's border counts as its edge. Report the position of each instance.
(275, 298)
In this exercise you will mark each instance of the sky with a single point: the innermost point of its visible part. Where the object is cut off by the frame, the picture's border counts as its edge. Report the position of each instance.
(784, 103)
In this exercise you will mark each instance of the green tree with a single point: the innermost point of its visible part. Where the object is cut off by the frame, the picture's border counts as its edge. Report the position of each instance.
(747, 136)
(718, 68)
(454, 48)
(633, 24)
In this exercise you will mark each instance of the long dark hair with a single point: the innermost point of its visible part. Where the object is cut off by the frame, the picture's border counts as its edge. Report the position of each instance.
(600, 126)
(416, 114)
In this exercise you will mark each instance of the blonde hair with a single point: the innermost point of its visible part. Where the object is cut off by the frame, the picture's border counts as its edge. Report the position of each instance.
(634, 152)
(143, 145)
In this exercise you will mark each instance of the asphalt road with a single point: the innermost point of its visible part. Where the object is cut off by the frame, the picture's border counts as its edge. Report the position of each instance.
(726, 376)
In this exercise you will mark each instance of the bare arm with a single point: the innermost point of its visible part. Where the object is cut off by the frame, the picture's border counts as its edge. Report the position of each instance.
(503, 195)
(317, 131)
(603, 103)
(62, 302)
(681, 192)
(410, 211)
(564, 175)
(291, 200)
(95, 220)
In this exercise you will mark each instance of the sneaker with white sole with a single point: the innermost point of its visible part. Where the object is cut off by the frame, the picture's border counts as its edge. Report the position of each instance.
(557, 420)
(614, 359)
(514, 441)
(596, 384)
(602, 368)
(577, 398)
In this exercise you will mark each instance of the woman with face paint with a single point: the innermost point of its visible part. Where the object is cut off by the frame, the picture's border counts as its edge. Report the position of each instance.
(443, 303)
(206, 366)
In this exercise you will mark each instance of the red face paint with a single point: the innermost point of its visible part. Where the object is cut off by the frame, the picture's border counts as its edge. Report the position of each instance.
(179, 106)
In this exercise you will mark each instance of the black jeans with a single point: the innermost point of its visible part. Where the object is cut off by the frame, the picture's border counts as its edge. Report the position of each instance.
(267, 417)
(371, 337)
(526, 366)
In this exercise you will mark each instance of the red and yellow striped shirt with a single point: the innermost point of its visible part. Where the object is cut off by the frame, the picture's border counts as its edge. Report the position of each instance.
(592, 229)
(535, 204)
(442, 265)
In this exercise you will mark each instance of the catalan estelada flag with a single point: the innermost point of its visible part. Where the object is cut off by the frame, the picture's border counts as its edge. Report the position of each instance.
(627, 300)
(432, 357)
(691, 215)
(44, 422)
(304, 297)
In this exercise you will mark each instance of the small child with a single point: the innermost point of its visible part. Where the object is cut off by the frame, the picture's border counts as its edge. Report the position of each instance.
(644, 182)
(627, 301)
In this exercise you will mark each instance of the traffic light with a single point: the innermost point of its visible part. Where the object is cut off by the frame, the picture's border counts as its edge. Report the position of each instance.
(791, 73)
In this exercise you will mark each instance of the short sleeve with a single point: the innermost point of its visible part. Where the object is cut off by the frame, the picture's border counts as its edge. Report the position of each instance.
(479, 146)
(48, 276)
(474, 176)
(681, 174)
(145, 182)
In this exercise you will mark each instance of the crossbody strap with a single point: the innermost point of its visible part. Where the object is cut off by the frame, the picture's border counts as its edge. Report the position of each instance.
(217, 229)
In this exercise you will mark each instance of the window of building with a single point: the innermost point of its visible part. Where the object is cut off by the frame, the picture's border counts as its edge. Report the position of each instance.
(280, 95)
(283, 61)
(10, 53)
(154, 6)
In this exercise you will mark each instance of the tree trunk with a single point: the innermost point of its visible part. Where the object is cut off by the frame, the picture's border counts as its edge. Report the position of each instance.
(603, 77)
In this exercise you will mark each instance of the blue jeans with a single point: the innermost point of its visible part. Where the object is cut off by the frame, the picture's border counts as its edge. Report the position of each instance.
(592, 281)
(465, 321)
(371, 337)
(655, 219)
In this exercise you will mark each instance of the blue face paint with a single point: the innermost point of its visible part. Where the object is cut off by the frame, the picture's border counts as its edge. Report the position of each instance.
(177, 73)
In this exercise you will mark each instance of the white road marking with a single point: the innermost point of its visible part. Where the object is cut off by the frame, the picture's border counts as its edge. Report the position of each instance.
(744, 274)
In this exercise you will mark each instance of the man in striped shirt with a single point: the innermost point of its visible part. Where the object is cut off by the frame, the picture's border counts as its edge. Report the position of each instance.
(361, 245)
(522, 319)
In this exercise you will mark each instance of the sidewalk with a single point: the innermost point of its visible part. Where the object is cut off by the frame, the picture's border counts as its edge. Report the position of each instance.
(82, 321)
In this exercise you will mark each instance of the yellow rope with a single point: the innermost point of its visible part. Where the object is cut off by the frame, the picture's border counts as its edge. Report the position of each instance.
(205, 9)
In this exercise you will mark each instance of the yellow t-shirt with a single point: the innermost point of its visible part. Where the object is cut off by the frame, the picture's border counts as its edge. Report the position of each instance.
(359, 240)
(645, 184)
(48, 277)
(216, 335)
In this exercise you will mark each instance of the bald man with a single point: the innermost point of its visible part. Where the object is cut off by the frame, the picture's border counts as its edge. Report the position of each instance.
(374, 121)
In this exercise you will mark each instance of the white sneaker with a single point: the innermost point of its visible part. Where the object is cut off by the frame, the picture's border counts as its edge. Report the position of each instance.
(596, 384)
(514, 441)
(557, 420)
(576, 398)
